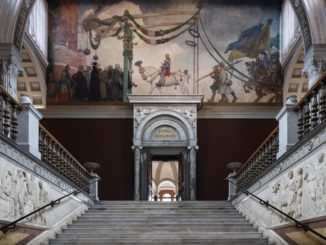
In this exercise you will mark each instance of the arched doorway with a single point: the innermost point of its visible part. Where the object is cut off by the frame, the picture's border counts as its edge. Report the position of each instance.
(165, 127)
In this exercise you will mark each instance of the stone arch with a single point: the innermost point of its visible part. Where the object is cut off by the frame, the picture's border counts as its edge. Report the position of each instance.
(302, 15)
(159, 115)
(15, 15)
(39, 67)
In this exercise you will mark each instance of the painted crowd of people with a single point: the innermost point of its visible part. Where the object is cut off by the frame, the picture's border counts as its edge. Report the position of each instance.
(91, 84)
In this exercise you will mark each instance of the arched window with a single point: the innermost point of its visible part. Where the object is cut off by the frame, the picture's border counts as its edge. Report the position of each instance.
(37, 25)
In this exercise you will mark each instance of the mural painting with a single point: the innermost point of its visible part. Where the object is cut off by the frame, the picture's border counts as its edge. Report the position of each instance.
(100, 51)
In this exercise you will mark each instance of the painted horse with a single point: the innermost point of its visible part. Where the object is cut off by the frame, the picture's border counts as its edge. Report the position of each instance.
(153, 76)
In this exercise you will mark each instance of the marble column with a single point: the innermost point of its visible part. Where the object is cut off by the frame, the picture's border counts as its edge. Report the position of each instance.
(314, 63)
(193, 171)
(137, 158)
(10, 66)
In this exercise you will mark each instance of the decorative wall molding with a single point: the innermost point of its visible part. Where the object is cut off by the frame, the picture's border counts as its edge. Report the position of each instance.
(125, 112)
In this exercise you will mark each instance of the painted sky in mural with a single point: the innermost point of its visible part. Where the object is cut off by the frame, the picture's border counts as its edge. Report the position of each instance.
(230, 54)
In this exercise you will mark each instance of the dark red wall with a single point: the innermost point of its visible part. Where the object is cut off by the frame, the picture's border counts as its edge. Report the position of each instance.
(223, 141)
(105, 141)
(108, 142)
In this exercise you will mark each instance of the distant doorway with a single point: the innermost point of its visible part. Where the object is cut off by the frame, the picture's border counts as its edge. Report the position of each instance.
(166, 181)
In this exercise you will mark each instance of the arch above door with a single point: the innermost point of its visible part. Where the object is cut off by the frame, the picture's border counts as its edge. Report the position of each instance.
(162, 124)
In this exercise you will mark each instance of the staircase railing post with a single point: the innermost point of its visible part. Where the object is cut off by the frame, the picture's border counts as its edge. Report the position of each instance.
(28, 127)
(288, 129)
(232, 188)
(93, 188)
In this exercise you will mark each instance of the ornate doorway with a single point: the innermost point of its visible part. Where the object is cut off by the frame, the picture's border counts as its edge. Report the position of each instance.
(165, 126)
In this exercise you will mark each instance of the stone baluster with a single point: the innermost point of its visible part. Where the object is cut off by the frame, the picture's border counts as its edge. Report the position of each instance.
(6, 117)
(306, 117)
(14, 123)
(300, 123)
(322, 101)
(2, 107)
(314, 110)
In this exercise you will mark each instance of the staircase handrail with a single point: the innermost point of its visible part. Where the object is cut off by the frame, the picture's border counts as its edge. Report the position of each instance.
(12, 225)
(298, 224)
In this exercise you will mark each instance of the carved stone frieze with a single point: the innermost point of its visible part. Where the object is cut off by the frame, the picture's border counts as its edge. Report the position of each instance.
(24, 162)
(20, 194)
(297, 185)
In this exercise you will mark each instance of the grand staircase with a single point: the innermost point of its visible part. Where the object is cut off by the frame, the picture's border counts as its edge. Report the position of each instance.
(131, 222)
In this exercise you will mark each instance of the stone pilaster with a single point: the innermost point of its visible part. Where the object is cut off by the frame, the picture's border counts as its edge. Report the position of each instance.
(193, 167)
(137, 158)
(10, 66)
(314, 63)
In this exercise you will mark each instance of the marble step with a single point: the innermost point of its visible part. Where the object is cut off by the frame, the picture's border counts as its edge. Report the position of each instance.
(106, 225)
(159, 215)
(198, 241)
(148, 229)
(164, 222)
(201, 223)
(163, 234)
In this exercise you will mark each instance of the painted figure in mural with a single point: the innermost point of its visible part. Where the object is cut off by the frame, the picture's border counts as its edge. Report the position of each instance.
(116, 84)
(221, 84)
(94, 93)
(103, 84)
(81, 84)
(165, 70)
(64, 85)
(109, 82)
(87, 74)
(251, 42)
(130, 82)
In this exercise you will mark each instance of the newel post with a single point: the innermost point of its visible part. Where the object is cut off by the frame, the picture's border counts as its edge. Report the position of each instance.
(232, 180)
(288, 126)
(93, 186)
(28, 127)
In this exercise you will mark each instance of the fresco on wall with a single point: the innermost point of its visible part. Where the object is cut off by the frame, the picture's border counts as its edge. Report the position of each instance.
(226, 50)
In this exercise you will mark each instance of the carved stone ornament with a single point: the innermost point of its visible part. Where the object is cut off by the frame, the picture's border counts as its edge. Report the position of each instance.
(300, 12)
(314, 68)
(140, 114)
(28, 3)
